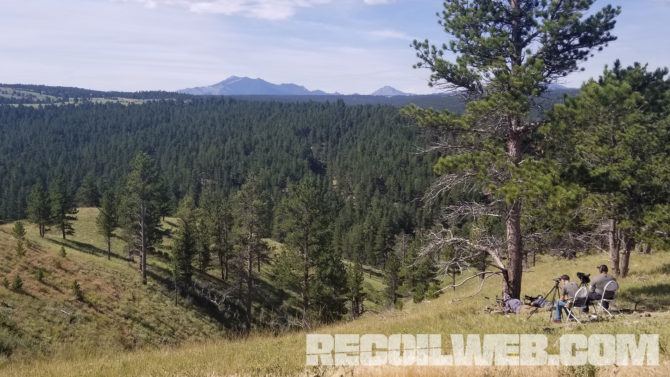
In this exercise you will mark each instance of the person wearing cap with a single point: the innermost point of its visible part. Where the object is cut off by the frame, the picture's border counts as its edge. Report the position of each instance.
(567, 290)
(598, 284)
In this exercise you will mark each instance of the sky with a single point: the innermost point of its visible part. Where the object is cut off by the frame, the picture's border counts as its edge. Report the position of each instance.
(348, 46)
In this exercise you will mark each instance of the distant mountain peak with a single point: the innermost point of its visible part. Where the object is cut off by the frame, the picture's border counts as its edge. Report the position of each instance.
(389, 91)
(229, 80)
(236, 85)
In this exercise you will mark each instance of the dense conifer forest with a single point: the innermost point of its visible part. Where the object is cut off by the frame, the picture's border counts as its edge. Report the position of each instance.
(368, 155)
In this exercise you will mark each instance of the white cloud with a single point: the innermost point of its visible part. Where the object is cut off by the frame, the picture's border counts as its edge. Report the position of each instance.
(389, 34)
(263, 9)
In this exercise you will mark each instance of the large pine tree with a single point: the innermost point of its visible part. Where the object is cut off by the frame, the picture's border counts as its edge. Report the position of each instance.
(63, 207)
(303, 218)
(183, 251)
(142, 208)
(501, 55)
(250, 214)
(216, 224)
(355, 292)
(107, 219)
(38, 208)
(88, 194)
(330, 288)
(612, 138)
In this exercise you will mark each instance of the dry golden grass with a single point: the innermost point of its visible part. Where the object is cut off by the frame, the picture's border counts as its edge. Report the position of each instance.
(266, 354)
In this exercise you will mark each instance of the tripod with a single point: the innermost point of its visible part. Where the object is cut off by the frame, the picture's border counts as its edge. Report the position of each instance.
(553, 292)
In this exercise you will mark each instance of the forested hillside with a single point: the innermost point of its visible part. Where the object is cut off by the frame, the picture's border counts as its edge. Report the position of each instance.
(368, 155)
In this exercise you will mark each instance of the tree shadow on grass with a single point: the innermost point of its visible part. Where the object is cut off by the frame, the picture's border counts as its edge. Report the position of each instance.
(23, 292)
(664, 269)
(86, 248)
(652, 297)
(228, 313)
(51, 285)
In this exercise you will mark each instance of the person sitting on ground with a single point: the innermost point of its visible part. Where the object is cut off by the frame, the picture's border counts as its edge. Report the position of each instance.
(598, 284)
(511, 305)
(567, 290)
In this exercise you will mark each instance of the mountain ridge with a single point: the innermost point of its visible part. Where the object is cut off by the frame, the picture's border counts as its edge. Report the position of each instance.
(246, 86)
(236, 85)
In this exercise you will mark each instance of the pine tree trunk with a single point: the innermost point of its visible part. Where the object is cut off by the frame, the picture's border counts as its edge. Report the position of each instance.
(250, 271)
(305, 287)
(143, 266)
(355, 308)
(143, 246)
(226, 269)
(221, 265)
(513, 222)
(305, 280)
(534, 257)
(629, 246)
(614, 246)
(506, 285)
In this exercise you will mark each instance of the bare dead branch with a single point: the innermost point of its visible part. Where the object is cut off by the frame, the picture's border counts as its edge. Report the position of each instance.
(444, 184)
(481, 286)
(438, 240)
(484, 274)
(470, 210)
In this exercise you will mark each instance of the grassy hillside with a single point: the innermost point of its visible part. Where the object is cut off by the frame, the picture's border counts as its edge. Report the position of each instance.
(118, 312)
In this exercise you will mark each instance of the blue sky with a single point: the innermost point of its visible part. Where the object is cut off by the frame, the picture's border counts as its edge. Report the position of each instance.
(350, 46)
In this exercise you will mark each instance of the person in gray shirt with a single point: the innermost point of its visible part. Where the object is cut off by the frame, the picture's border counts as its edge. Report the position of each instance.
(598, 284)
(567, 290)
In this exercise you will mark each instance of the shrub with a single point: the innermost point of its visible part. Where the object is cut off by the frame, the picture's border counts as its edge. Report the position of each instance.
(40, 275)
(17, 284)
(62, 252)
(76, 290)
(19, 231)
(7, 346)
(20, 249)
(5, 282)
